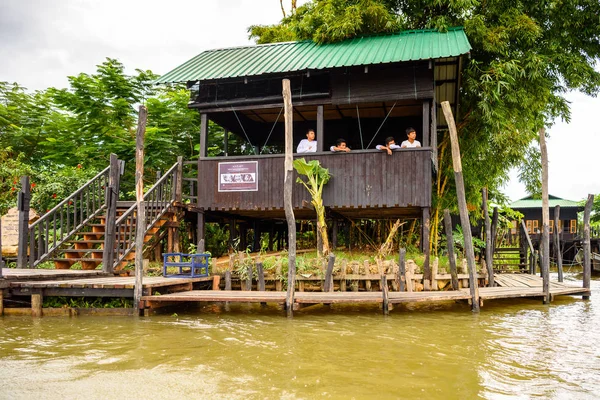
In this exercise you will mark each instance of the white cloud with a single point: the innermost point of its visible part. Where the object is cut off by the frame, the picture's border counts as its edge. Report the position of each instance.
(44, 41)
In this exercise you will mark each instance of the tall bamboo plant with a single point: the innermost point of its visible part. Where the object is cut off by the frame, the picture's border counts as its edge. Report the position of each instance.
(317, 177)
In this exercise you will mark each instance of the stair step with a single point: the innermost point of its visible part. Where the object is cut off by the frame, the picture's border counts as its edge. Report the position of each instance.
(82, 251)
(74, 260)
(100, 241)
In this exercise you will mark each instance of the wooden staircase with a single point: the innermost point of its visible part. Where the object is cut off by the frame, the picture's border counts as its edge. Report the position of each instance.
(87, 245)
(75, 230)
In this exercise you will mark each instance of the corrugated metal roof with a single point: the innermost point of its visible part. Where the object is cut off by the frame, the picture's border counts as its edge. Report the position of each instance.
(553, 201)
(306, 55)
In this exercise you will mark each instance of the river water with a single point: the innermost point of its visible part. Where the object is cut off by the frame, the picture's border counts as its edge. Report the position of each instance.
(512, 349)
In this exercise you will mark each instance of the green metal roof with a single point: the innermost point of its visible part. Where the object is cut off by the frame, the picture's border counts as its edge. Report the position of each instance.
(553, 201)
(306, 55)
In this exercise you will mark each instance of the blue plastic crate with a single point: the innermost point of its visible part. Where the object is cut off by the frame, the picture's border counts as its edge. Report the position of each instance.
(188, 265)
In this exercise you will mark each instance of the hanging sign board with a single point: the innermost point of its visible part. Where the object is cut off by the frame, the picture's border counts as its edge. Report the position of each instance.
(238, 176)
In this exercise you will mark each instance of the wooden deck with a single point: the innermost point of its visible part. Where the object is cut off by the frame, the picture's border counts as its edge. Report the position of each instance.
(513, 286)
(100, 286)
(160, 291)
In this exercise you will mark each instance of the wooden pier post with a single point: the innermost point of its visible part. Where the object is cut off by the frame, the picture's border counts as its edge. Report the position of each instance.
(489, 252)
(328, 287)
(287, 194)
(557, 249)
(343, 276)
(462, 205)
(402, 269)
(140, 227)
(249, 279)
(228, 273)
(450, 246)
(494, 229)
(545, 219)
(587, 265)
(23, 207)
(36, 305)
(385, 294)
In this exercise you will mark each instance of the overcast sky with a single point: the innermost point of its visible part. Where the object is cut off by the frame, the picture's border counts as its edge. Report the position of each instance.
(44, 41)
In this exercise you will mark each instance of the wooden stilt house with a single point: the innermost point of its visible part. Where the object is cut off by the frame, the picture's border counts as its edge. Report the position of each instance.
(363, 90)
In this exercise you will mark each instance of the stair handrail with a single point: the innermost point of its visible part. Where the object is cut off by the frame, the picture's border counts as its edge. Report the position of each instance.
(45, 228)
(159, 199)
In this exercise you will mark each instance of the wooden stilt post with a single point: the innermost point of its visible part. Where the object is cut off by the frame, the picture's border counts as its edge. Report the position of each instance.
(402, 268)
(450, 245)
(201, 232)
(587, 265)
(545, 219)
(495, 230)
(462, 205)
(531, 249)
(489, 254)
(557, 249)
(23, 207)
(140, 229)
(287, 195)
(425, 242)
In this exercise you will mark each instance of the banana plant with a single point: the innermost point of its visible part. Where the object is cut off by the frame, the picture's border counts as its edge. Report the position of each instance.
(317, 177)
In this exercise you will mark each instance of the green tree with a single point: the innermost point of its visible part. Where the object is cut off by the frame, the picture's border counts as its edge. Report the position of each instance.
(526, 55)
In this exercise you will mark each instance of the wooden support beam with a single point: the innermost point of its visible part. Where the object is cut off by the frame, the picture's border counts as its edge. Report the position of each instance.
(494, 229)
(489, 253)
(450, 245)
(226, 143)
(557, 249)
(287, 190)
(462, 205)
(23, 207)
(203, 135)
(140, 227)
(587, 265)
(545, 243)
(320, 128)
(426, 123)
(527, 237)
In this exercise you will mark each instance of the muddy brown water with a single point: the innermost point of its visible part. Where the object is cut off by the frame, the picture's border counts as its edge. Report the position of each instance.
(512, 349)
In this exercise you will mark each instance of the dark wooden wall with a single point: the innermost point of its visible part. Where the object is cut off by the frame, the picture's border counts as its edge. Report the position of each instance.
(360, 179)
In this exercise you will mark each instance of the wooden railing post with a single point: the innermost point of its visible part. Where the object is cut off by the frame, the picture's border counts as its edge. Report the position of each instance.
(23, 207)
(112, 196)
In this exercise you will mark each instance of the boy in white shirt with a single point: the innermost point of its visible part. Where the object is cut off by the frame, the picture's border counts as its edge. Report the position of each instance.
(308, 145)
(411, 142)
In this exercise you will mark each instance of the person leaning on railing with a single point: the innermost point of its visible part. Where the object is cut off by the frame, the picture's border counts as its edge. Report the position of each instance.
(340, 146)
